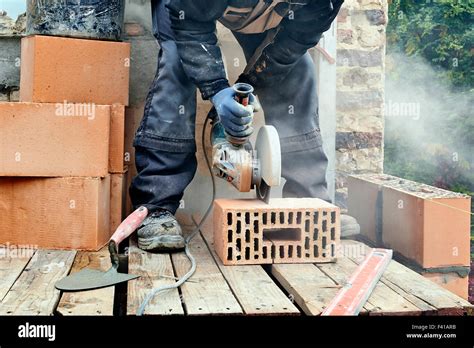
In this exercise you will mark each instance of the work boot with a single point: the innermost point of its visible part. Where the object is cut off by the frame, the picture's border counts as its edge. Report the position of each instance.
(160, 232)
(349, 226)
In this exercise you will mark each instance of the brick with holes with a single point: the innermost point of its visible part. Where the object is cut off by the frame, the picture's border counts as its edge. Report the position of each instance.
(287, 230)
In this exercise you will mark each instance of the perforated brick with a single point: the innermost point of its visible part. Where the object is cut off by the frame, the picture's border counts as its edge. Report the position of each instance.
(292, 230)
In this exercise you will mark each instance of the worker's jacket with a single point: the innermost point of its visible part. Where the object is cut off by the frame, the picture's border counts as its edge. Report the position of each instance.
(300, 22)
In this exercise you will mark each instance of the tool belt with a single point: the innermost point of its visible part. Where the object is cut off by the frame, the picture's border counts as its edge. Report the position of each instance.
(253, 19)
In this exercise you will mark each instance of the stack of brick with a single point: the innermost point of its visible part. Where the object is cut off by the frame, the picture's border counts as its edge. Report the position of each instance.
(429, 228)
(62, 172)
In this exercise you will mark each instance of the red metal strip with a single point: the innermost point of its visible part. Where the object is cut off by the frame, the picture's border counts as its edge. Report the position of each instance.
(352, 297)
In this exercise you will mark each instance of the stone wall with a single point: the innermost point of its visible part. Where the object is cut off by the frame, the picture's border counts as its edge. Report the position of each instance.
(11, 31)
(360, 90)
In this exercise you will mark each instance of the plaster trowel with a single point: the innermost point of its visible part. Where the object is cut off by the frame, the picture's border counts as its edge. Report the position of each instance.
(90, 279)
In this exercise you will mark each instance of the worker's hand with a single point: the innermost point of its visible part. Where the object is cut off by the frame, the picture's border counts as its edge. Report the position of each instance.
(236, 118)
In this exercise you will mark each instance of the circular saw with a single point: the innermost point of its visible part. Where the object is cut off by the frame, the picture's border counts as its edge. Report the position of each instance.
(249, 168)
(235, 160)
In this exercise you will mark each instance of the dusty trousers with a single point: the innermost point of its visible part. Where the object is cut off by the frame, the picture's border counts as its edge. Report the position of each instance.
(165, 141)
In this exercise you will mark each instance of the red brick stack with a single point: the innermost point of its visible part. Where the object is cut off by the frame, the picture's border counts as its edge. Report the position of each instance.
(62, 173)
(429, 228)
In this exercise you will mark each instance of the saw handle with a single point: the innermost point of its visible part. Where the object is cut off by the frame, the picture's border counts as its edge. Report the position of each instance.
(242, 93)
(242, 96)
(129, 225)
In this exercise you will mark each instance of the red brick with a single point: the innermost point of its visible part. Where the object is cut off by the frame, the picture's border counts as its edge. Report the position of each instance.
(452, 282)
(37, 141)
(425, 224)
(55, 213)
(118, 192)
(363, 191)
(56, 69)
(117, 139)
(342, 16)
(345, 36)
(303, 230)
(431, 229)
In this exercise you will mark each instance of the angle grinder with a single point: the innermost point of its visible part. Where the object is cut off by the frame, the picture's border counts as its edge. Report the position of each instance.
(235, 160)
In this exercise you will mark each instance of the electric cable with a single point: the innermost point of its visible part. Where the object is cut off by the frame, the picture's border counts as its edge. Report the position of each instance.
(189, 274)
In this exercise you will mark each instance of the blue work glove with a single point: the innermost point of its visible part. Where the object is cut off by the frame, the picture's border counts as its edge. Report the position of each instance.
(236, 118)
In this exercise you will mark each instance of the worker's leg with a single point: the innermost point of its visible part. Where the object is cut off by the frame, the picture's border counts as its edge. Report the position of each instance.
(164, 143)
(291, 105)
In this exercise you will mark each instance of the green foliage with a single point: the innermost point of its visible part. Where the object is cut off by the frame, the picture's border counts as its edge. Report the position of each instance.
(440, 31)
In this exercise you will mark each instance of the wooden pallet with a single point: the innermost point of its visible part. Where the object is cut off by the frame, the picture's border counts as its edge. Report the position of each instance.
(27, 285)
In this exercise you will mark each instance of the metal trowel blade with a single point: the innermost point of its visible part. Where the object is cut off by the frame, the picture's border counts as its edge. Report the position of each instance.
(89, 279)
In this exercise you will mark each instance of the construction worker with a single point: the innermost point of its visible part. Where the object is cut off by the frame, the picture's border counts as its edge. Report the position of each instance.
(283, 76)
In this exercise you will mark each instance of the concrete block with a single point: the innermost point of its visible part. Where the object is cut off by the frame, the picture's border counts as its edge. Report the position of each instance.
(4, 96)
(303, 230)
(55, 69)
(54, 140)
(55, 213)
(15, 96)
(9, 62)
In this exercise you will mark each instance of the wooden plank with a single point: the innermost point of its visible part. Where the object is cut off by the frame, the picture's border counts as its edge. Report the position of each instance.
(433, 294)
(425, 307)
(94, 302)
(155, 270)
(311, 289)
(253, 287)
(12, 263)
(383, 301)
(423, 289)
(207, 292)
(34, 292)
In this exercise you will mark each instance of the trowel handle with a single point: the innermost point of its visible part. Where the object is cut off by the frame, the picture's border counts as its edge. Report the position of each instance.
(129, 225)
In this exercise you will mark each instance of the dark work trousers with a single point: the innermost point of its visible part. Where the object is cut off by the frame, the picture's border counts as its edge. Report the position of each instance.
(165, 145)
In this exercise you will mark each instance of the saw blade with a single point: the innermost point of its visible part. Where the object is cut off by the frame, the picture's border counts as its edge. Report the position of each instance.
(263, 191)
(268, 153)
